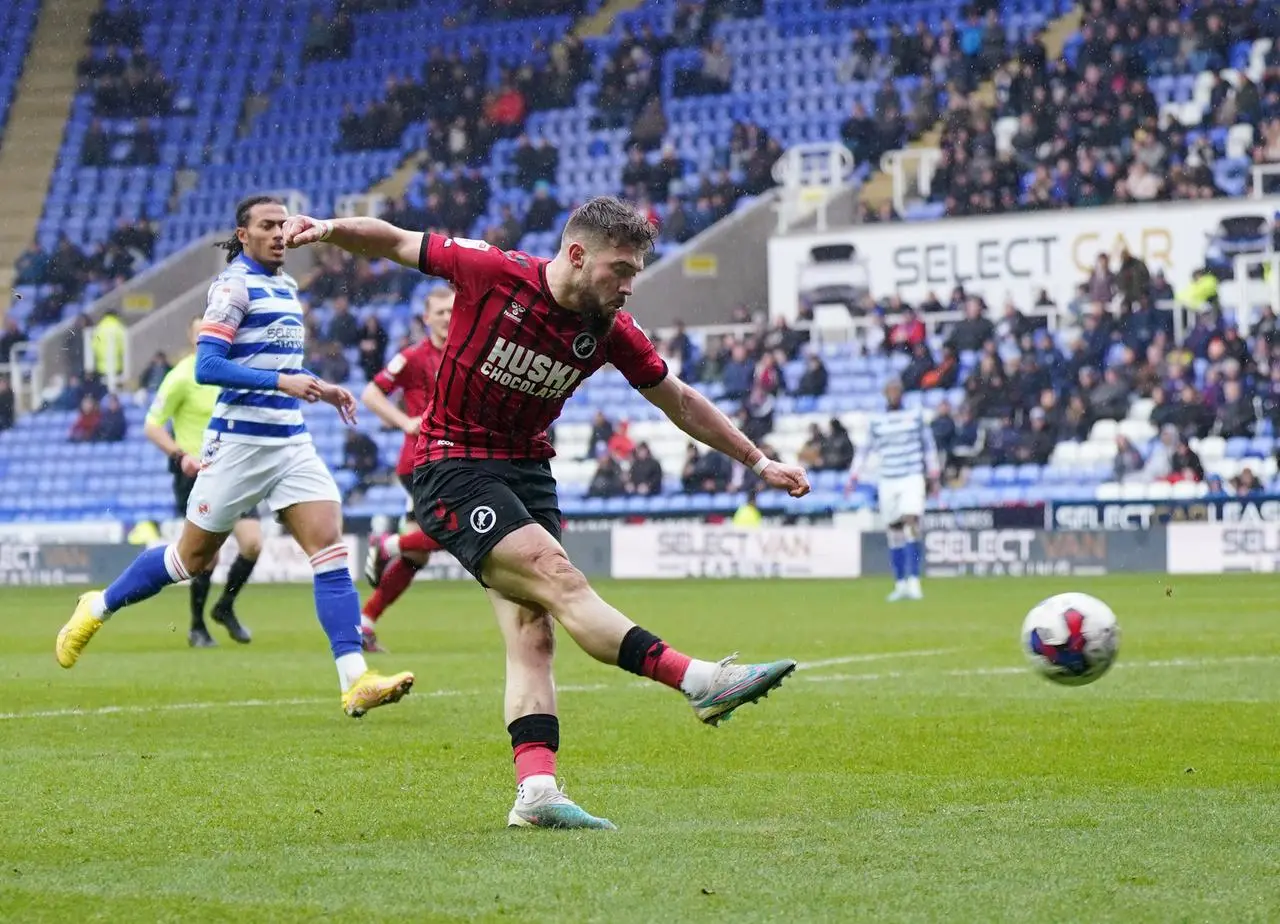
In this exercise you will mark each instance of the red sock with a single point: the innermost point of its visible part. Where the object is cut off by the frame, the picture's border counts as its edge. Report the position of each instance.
(532, 759)
(418, 541)
(395, 581)
(665, 665)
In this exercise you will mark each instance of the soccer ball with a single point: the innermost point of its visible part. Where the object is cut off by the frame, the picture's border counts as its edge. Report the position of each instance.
(1071, 639)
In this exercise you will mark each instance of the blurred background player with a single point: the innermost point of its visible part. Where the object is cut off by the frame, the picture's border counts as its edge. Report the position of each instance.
(189, 405)
(394, 559)
(526, 332)
(904, 442)
(257, 448)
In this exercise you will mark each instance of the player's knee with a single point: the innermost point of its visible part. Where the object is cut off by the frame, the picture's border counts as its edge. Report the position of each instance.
(911, 528)
(417, 558)
(536, 639)
(251, 547)
(557, 579)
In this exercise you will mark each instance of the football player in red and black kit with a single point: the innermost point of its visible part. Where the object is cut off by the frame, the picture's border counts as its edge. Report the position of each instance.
(395, 559)
(525, 333)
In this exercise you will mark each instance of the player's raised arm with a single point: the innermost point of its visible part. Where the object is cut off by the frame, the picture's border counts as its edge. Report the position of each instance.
(697, 416)
(364, 237)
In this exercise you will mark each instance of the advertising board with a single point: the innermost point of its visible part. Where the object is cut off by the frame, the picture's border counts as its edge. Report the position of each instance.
(681, 550)
(1120, 516)
(1025, 553)
(1221, 548)
(35, 564)
(998, 256)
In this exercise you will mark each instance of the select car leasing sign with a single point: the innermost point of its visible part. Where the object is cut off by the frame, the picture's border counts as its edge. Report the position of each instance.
(1001, 256)
(680, 550)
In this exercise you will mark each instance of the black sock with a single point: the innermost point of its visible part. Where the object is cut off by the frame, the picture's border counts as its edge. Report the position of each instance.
(199, 596)
(237, 575)
(636, 645)
(539, 728)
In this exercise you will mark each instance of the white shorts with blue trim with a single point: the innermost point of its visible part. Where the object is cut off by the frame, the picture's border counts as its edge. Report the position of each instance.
(901, 497)
(236, 477)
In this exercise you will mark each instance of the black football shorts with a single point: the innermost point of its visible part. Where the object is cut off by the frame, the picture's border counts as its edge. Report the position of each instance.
(469, 505)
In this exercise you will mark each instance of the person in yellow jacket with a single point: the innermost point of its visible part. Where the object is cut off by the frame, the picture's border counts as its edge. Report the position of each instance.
(189, 405)
(748, 516)
(108, 345)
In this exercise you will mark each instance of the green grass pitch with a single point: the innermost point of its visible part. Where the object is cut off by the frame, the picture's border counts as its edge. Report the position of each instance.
(913, 770)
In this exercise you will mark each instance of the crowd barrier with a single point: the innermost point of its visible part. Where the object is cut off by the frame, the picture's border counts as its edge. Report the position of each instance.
(1202, 537)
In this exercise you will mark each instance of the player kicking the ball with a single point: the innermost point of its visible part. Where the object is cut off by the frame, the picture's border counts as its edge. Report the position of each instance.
(904, 441)
(394, 560)
(525, 333)
(256, 448)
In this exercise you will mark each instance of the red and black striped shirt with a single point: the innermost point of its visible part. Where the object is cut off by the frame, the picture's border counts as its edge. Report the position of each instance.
(513, 356)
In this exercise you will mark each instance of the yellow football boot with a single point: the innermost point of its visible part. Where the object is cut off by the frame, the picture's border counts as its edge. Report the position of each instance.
(79, 629)
(373, 690)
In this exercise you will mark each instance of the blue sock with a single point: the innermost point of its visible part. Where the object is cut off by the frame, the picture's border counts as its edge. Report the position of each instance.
(913, 558)
(898, 558)
(338, 608)
(150, 573)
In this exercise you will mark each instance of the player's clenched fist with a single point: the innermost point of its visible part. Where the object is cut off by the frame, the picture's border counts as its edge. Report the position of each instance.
(790, 478)
(300, 230)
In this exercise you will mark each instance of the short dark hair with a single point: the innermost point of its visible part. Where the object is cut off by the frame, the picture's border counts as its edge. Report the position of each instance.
(607, 218)
(232, 245)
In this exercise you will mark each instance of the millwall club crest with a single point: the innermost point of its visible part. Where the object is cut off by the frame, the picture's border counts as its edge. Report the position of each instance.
(584, 345)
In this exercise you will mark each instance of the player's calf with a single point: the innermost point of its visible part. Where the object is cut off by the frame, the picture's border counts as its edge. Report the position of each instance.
(545, 576)
(914, 553)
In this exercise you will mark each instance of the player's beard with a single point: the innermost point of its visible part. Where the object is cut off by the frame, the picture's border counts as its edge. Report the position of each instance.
(598, 320)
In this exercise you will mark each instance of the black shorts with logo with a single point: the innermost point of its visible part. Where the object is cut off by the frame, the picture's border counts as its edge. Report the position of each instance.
(469, 505)
(406, 482)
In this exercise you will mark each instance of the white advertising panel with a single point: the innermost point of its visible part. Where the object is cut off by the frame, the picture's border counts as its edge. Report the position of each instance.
(1219, 548)
(680, 550)
(1006, 255)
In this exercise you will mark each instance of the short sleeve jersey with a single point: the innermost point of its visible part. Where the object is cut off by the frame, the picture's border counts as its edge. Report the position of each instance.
(513, 356)
(413, 372)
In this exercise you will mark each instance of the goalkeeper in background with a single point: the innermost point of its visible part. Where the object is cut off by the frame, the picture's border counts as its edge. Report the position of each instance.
(189, 406)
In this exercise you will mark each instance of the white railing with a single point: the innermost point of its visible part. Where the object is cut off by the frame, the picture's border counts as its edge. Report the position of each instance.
(899, 164)
(25, 376)
(1259, 171)
(840, 326)
(295, 201)
(1252, 292)
(810, 176)
(360, 205)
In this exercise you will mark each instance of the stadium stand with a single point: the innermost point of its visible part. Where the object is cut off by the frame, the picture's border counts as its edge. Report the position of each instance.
(17, 22)
(1148, 103)
(710, 93)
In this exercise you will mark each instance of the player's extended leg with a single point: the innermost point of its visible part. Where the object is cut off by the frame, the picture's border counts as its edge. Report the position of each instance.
(898, 559)
(248, 533)
(317, 527)
(914, 554)
(529, 564)
(529, 709)
(156, 568)
(398, 561)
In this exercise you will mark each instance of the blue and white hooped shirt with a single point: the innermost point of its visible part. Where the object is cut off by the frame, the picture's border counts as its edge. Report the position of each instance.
(258, 314)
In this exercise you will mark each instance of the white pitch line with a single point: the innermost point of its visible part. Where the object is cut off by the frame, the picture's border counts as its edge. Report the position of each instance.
(603, 687)
(876, 656)
(183, 707)
(1010, 669)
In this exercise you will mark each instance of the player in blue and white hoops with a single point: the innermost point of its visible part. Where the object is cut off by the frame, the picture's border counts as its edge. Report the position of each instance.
(256, 449)
(908, 456)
